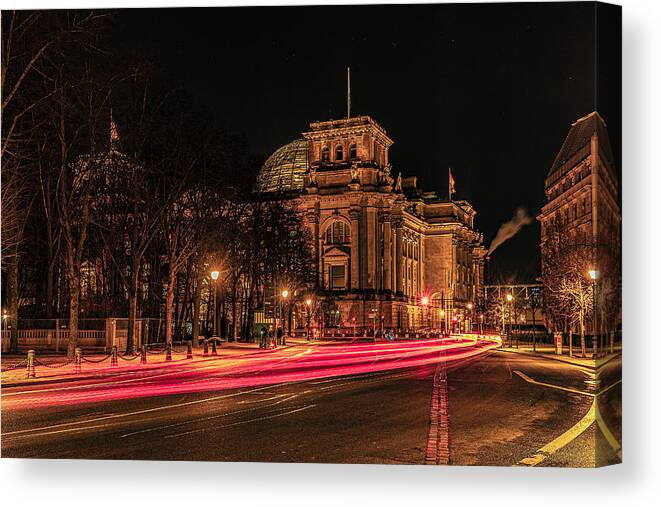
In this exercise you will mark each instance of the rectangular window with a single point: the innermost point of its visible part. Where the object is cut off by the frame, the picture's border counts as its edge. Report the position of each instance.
(337, 277)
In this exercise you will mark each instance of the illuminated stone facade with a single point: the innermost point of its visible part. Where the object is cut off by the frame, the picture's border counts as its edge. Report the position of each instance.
(582, 190)
(382, 245)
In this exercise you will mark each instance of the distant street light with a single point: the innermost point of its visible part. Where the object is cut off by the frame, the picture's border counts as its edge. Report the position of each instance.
(425, 303)
(285, 294)
(470, 317)
(594, 275)
(308, 304)
(214, 320)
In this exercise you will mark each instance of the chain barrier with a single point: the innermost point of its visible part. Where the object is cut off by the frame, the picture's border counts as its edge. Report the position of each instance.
(14, 366)
(52, 365)
(125, 358)
(96, 360)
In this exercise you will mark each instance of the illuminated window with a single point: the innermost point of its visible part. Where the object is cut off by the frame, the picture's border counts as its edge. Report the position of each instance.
(353, 153)
(325, 157)
(337, 233)
(339, 154)
(337, 277)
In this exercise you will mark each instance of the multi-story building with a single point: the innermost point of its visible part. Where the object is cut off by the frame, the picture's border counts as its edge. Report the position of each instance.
(582, 187)
(386, 251)
(582, 211)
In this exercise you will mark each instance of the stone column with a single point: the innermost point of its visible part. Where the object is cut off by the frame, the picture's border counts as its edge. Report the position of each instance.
(354, 215)
(313, 223)
(398, 223)
(387, 276)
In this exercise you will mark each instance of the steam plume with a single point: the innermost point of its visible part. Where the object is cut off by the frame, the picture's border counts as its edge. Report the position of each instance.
(509, 229)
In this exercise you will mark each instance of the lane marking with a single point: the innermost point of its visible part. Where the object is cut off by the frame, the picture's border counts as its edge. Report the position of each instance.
(609, 387)
(616, 446)
(561, 441)
(553, 386)
(239, 423)
(144, 411)
(210, 418)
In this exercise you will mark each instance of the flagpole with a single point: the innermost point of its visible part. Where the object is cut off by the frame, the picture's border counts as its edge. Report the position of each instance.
(449, 184)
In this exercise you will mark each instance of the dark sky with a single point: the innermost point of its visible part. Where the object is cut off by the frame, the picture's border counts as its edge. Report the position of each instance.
(489, 90)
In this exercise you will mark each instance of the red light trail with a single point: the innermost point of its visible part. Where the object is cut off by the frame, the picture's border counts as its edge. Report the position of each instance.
(249, 370)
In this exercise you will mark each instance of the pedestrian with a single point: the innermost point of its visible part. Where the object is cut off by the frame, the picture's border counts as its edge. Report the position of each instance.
(262, 337)
(270, 338)
(279, 336)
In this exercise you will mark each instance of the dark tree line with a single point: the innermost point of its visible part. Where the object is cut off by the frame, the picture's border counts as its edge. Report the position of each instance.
(119, 197)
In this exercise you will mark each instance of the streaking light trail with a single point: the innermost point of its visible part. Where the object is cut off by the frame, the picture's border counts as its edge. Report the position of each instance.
(250, 370)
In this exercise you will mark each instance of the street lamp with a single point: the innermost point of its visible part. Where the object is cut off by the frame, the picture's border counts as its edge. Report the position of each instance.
(214, 320)
(509, 298)
(425, 303)
(308, 305)
(443, 320)
(5, 316)
(594, 275)
(284, 294)
(470, 317)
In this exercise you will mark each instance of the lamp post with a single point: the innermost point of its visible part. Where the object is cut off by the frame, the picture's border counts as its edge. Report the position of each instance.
(214, 318)
(425, 304)
(443, 320)
(594, 275)
(470, 317)
(481, 324)
(353, 321)
(509, 298)
(5, 316)
(308, 313)
(283, 301)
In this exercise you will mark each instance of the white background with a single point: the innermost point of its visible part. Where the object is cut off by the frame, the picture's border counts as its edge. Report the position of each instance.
(636, 482)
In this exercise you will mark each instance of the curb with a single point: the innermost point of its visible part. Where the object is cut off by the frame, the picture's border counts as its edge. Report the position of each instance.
(554, 357)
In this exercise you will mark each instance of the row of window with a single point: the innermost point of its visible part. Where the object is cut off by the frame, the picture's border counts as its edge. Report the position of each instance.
(339, 153)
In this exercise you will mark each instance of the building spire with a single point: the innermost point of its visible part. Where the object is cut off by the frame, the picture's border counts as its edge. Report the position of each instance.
(348, 92)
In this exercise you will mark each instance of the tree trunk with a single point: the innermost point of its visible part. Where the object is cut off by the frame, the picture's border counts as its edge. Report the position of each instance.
(12, 303)
(581, 325)
(133, 311)
(197, 300)
(169, 308)
(74, 301)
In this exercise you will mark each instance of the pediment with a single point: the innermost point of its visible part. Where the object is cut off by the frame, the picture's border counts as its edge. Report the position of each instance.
(336, 251)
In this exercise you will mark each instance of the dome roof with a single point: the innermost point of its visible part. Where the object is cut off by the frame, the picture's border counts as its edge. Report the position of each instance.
(283, 171)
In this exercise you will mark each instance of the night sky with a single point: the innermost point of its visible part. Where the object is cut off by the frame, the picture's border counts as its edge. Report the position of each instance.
(489, 90)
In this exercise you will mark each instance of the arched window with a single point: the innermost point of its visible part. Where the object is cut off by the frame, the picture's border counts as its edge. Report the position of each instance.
(338, 233)
(325, 157)
(353, 153)
(339, 155)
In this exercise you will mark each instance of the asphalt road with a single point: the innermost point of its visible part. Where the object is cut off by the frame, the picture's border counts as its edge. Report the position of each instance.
(350, 403)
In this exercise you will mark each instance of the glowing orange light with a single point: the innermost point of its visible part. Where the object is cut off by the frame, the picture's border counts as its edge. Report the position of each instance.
(424, 300)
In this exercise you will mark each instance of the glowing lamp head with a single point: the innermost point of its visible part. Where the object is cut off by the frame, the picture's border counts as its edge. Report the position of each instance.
(470, 306)
(442, 313)
(214, 275)
(424, 300)
(285, 293)
(509, 298)
(594, 274)
(308, 302)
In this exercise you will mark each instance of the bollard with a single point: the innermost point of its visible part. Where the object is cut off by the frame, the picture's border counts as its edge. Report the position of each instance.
(113, 356)
(77, 359)
(189, 349)
(168, 351)
(143, 354)
(31, 373)
(206, 348)
(214, 352)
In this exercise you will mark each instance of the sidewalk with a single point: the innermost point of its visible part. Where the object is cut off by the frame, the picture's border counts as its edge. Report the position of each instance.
(548, 352)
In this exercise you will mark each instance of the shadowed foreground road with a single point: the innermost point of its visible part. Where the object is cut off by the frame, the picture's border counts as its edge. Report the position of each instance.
(348, 403)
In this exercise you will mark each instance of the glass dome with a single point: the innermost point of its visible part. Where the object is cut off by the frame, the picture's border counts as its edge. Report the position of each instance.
(284, 170)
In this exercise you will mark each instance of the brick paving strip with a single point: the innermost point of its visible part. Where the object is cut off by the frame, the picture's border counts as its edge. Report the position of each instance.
(438, 439)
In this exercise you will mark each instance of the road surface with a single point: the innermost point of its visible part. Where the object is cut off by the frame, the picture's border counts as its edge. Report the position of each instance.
(338, 403)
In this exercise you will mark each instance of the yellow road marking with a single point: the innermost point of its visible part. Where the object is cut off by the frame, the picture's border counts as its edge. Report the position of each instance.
(553, 386)
(607, 433)
(561, 441)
